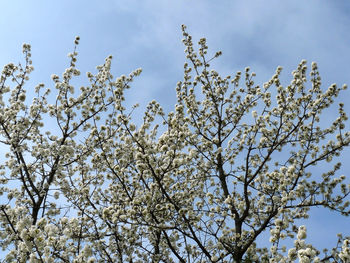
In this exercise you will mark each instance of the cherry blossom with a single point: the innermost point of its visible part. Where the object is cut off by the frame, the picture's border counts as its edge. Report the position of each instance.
(84, 181)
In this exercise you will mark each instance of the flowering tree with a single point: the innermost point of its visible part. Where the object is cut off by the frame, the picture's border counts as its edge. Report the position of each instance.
(81, 182)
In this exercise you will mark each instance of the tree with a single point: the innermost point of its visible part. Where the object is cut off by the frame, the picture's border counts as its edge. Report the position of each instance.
(81, 182)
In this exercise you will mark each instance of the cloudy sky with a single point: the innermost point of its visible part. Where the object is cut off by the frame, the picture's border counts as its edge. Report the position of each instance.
(147, 34)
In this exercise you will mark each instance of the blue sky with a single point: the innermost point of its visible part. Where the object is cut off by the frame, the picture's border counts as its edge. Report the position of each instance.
(147, 34)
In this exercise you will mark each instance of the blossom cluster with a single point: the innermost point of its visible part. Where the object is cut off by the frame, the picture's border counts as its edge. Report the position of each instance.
(83, 181)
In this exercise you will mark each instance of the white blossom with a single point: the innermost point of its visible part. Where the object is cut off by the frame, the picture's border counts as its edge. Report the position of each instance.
(85, 181)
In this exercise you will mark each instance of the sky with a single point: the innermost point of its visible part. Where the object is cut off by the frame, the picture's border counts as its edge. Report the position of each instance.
(147, 34)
